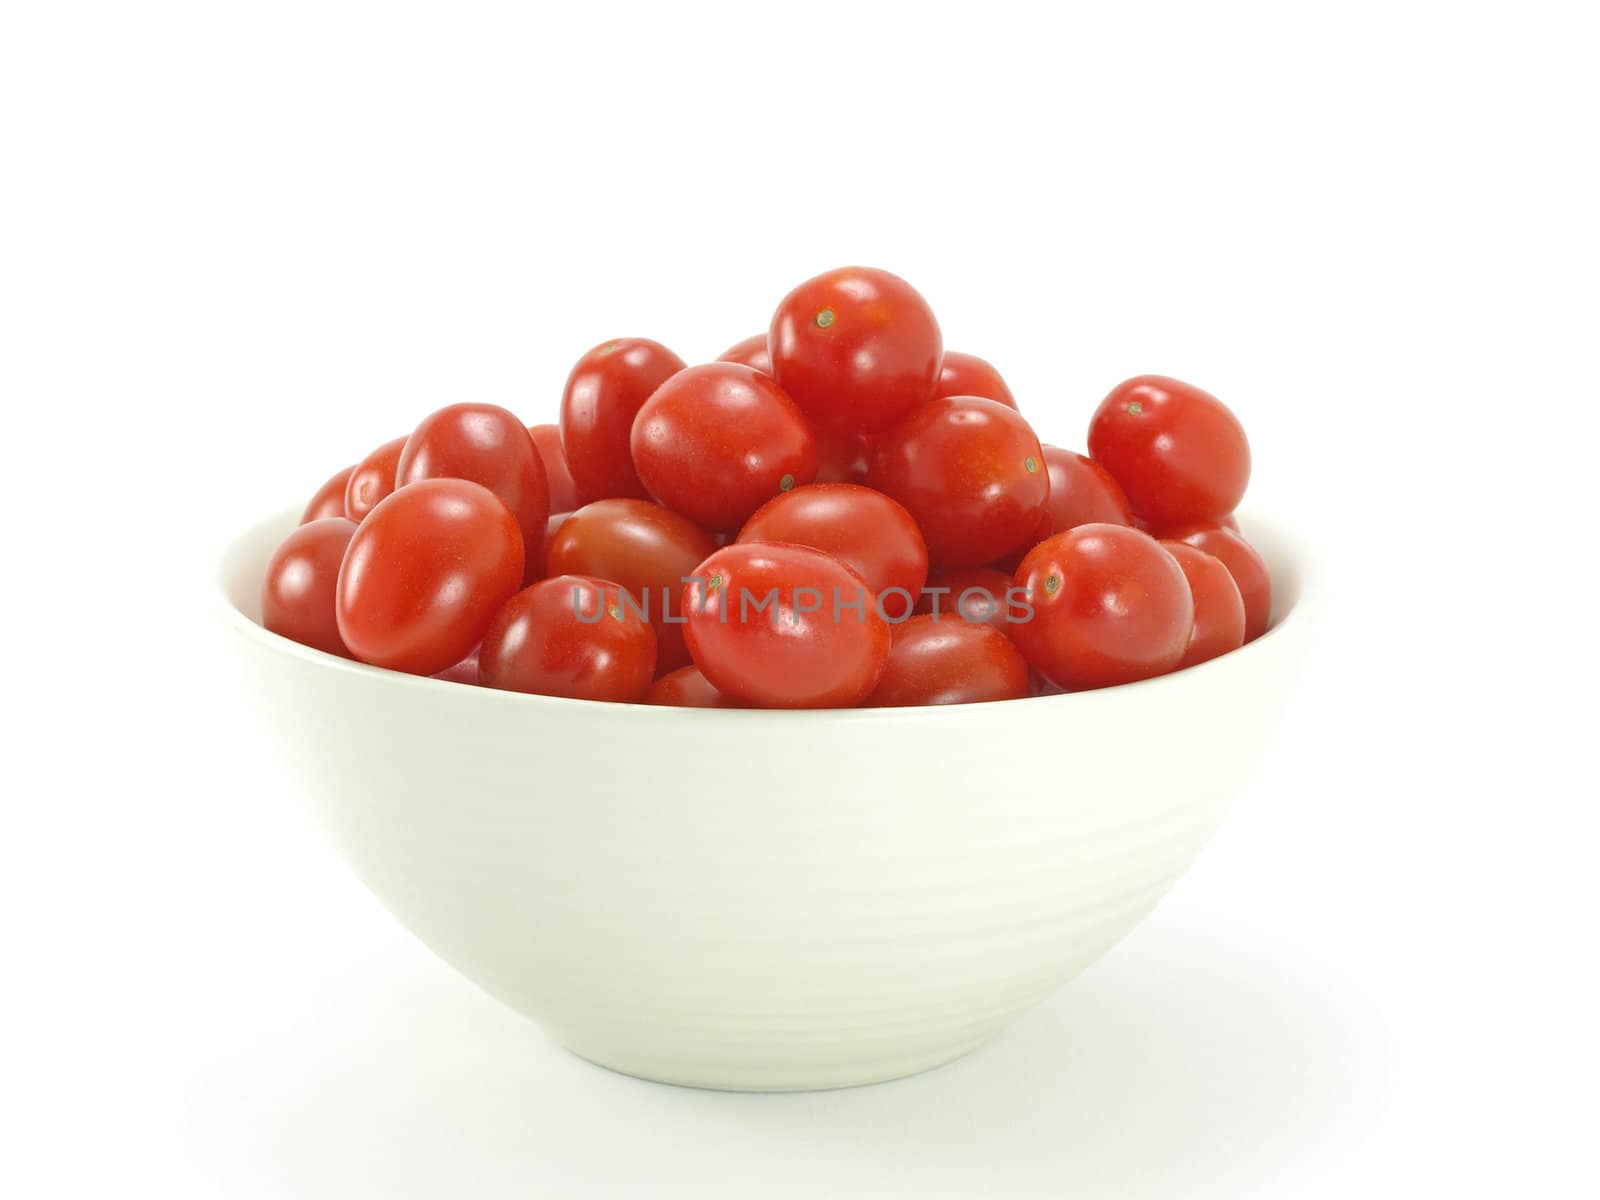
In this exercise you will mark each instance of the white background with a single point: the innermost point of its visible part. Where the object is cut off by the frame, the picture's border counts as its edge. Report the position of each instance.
(242, 244)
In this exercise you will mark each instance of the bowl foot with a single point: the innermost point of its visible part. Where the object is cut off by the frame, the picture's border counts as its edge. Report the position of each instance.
(789, 1076)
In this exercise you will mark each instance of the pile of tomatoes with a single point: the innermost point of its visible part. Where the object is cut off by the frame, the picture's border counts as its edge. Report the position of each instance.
(837, 512)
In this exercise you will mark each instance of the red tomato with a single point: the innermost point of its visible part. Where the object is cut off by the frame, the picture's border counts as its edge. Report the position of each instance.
(1082, 492)
(570, 636)
(649, 550)
(465, 671)
(844, 457)
(424, 574)
(329, 500)
(1218, 607)
(563, 492)
(1243, 563)
(1109, 606)
(717, 441)
(971, 472)
(980, 595)
(372, 479)
(968, 375)
(302, 576)
(752, 352)
(489, 446)
(785, 627)
(945, 661)
(856, 348)
(1178, 452)
(864, 529)
(686, 688)
(603, 395)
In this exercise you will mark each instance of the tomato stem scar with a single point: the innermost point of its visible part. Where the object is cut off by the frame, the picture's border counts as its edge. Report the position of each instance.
(824, 318)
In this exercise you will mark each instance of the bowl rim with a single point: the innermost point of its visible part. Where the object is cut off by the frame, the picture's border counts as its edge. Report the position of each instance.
(1296, 574)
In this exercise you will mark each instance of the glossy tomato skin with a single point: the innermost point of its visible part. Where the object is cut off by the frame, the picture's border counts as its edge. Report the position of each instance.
(649, 550)
(372, 479)
(864, 529)
(857, 348)
(425, 573)
(942, 661)
(563, 491)
(329, 498)
(978, 595)
(752, 352)
(686, 687)
(1218, 607)
(1109, 606)
(490, 446)
(968, 375)
(571, 636)
(1082, 492)
(718, 440)
(297, 595)
(972, 474)
(1243, 563)
(603, 395)
(785, 627)
(1178, 452)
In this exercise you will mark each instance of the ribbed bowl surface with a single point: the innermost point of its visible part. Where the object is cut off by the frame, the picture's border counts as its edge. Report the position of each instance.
(761, 900)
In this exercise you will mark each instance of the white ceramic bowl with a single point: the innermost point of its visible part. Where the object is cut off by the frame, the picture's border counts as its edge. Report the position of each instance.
(767, 900)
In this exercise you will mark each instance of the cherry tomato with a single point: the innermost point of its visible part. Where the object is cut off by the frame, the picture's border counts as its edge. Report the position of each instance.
(570, 636)
(717, 441)
(979, 595)
(785, 627)
(604, 393)
(968, 375)
(647, 549)
(864, 529)
(302, 576)
(372, 479)
(971, 472)
(489, 446)
(1178, 452)
(944, 661)
(844, 457)
(563, 492)
(686, 688)
(329, 500)
(1082, 492)
(752, 352)
(425, 572)
(1218, 607)
(1243, 563)
(1109, 606)
(856, 348)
